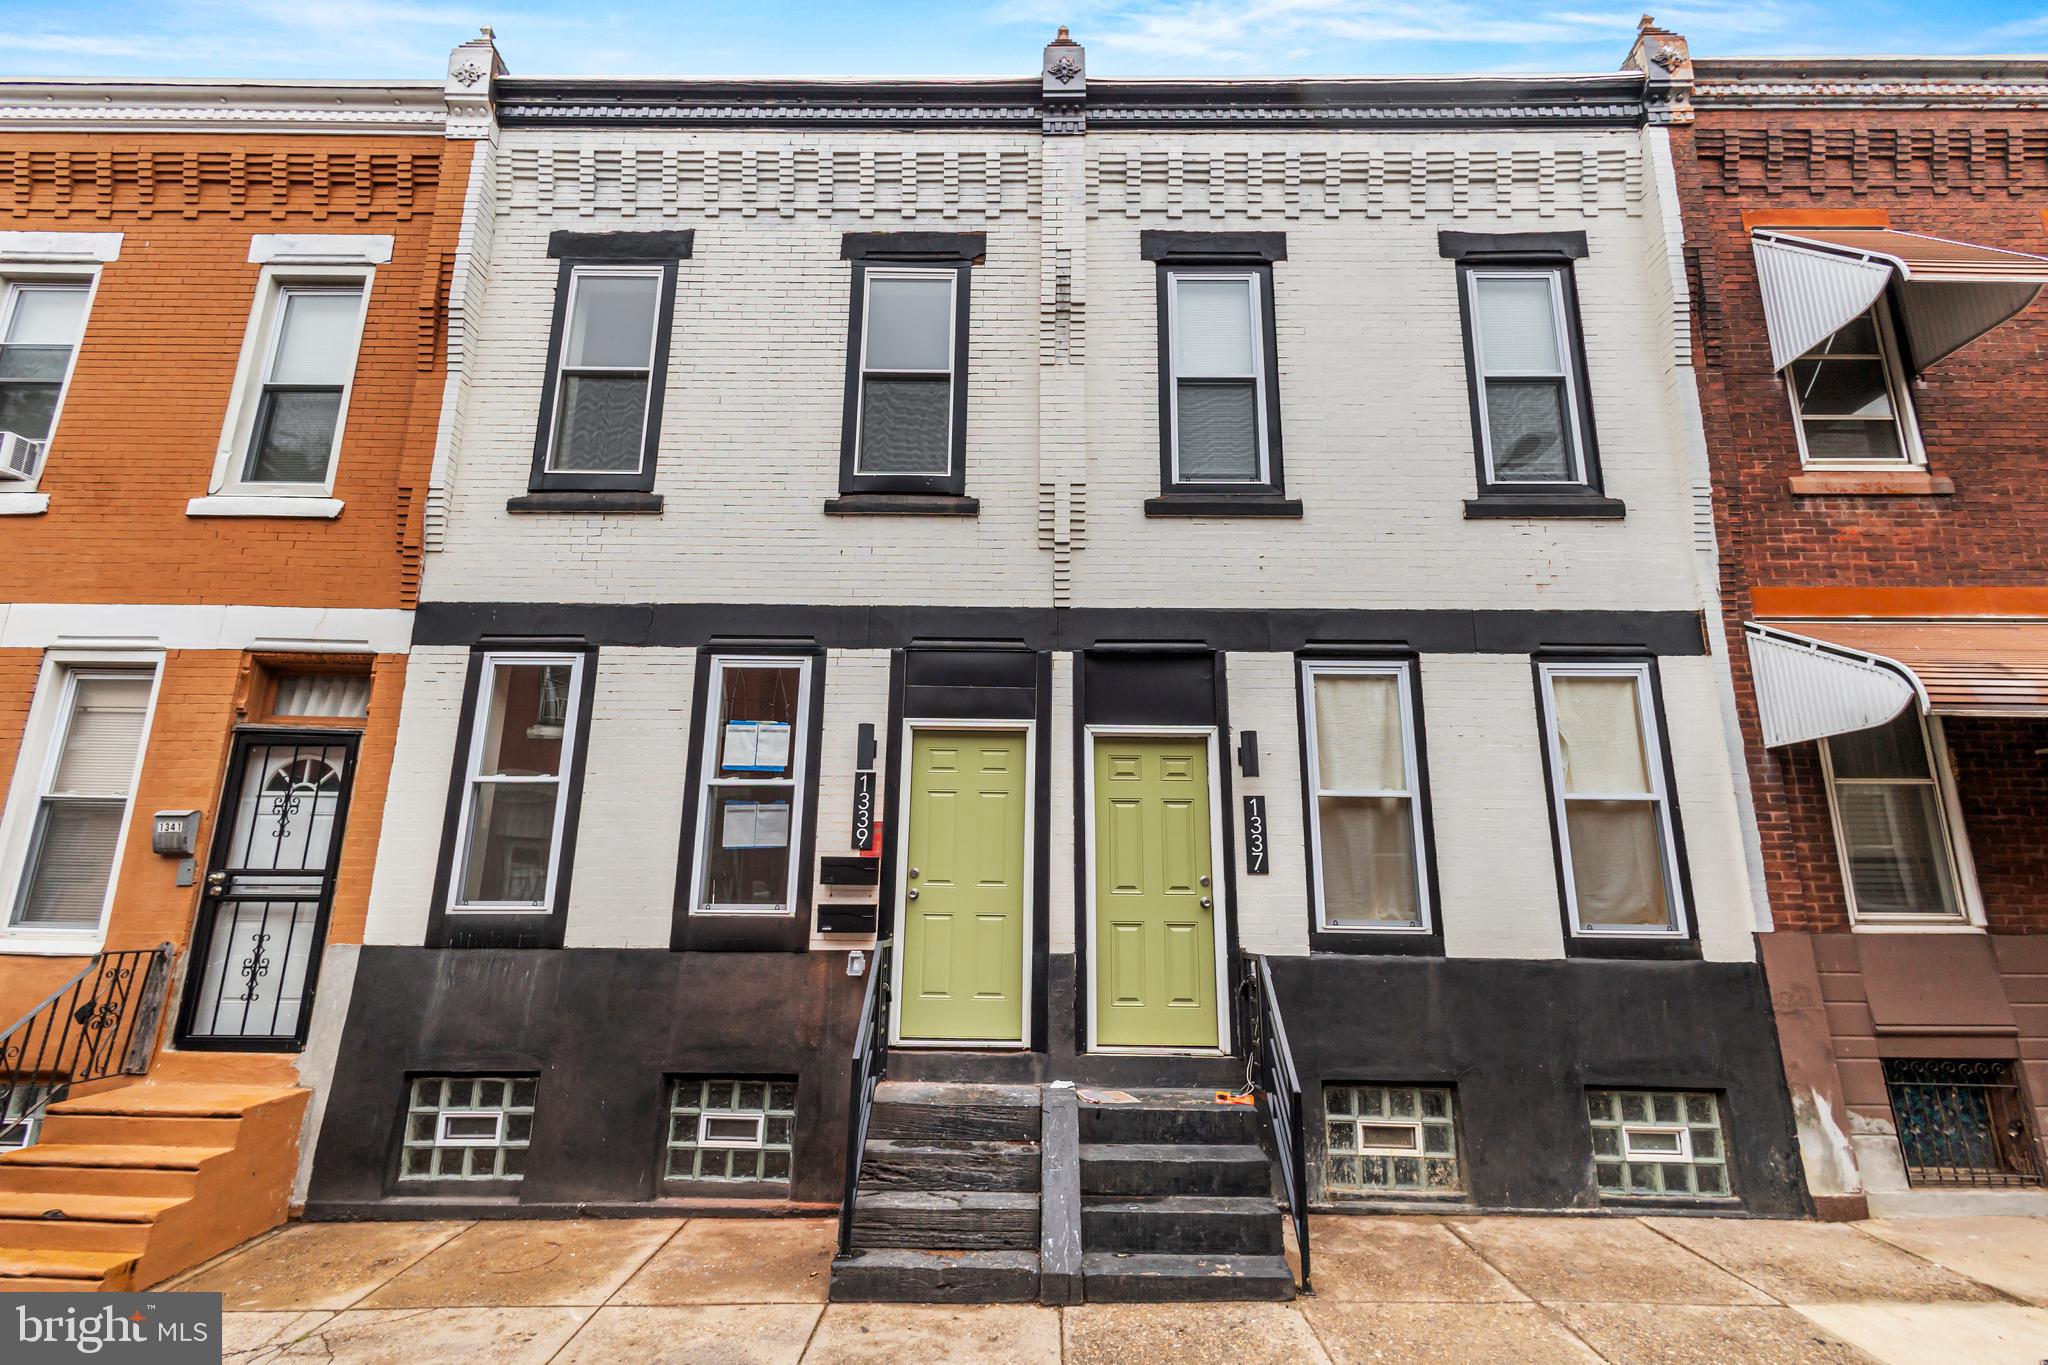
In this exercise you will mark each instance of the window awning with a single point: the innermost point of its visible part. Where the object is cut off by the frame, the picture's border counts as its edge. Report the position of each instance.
(1815, 281)
(1821, 678)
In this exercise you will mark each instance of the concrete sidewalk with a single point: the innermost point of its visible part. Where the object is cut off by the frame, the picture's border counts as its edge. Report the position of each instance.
(1523, 1290)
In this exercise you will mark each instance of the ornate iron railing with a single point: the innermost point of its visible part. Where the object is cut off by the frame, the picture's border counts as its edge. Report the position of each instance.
(1962, 1122)
(100, 1023)
(870, 1060)
(1273, 1078)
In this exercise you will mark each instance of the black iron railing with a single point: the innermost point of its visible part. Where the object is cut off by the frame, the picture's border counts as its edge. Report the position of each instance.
(100, 1023)
(1273, 1078)
(870, 1060)
(1961, 1122)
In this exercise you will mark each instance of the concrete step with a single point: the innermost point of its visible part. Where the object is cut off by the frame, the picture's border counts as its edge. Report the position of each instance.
(150, 1157)
(139, 1130)
(935, 1277)
(98, 1207)
(1183, 1224)
(1116, 1277)
(950, 1220)
(1145, 1168)
(58, 1180)
(149, 1099)
(1168, 1116)
(891, 1165)
(73, 1234)
(80, 1269)
(915, 1111)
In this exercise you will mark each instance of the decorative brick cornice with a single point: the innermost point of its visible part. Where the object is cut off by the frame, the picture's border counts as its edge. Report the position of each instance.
(322, 184)
(385, 108)
(1782, 159)
(1864, 83)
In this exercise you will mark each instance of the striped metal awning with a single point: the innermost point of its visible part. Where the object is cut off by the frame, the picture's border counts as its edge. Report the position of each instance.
(1821, 678)
(1816, 281)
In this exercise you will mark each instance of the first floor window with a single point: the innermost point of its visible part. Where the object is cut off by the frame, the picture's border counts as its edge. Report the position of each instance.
(1388, 1139)
(308, 359)
(1217, 367)
(1370, 871)
(1891, 821)
(731, 1128)
(1849, 394)
(605, 373)
(82, 797)
(1612, 810)
(40, 325)
(1658, 1143)
(522, 740)
(750, 804)
(467, 1128)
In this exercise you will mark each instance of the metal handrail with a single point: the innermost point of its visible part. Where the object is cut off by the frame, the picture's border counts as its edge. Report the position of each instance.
(1274, 1078)
(870, 1061)
(100, 1023)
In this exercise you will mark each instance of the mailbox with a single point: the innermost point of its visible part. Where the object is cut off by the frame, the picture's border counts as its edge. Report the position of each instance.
(850, 889)
(175, 833)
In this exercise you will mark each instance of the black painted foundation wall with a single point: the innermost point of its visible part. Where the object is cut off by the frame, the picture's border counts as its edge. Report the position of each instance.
(1521, 1042)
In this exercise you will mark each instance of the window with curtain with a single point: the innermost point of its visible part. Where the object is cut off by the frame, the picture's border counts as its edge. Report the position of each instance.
(906, 371)
(83, 798)
(1849, 395)
(604, 377)
(750, 797)
(1891, 822)
(1365, 827)
(1612, 809)
(1215, 330)
(40, 324)
(309, 356)
(521, 745)
(1527, 389)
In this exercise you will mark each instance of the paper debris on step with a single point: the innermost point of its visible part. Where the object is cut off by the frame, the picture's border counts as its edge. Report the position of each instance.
(1225, 1097)
(1107, 1096)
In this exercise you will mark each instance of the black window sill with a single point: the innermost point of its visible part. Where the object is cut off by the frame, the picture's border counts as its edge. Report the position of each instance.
(1367, 943)
(902, 505)
(1221, 505)
(1586, 506)
(1633, 949)
(603, 500)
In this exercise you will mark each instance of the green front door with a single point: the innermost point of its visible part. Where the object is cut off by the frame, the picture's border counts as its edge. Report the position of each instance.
(1155, 917)
(963, 907)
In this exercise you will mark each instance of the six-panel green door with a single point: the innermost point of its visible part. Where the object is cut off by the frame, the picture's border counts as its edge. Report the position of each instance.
(1155, 917)
(963, 908)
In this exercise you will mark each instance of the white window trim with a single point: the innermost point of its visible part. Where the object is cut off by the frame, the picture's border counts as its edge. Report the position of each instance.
(36, 763)
(59, 248)
(1905, 420)
(442, 1137)
(758, 1117)
(1653, 758)
(577, 274)
(1681, 1157)
(478, 721)
(1174, 278)
(1413, 1127)
(1955, 838)
(708, 778)
(319, 248)
(1567, 357)
(1398, 670)
(956, 279)
(259, 339)
(16, 497)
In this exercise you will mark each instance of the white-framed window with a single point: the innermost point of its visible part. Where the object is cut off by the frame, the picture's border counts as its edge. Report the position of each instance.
(604, 379)
(74, 793)
(1524, 368)
(1391, 1139)
(1654, 1144)
(514, 797)
(1217, 364)
(42, 320)
(1612, 810)
(750, 797)
(1852, 405)
(290, 404)
(1366, 822)
(1894, 823)
(907, 371)
(739, 1128)
(467, 1128)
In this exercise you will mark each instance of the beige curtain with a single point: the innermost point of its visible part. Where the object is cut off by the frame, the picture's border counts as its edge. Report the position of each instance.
(1368, 850)
(1600, 736)
(1617, 862)
(1358, 733)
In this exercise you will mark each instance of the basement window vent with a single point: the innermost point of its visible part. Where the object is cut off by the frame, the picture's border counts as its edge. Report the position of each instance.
(1658, 1144)
(467, 1128)
(731, 1128)
(1391, 1139)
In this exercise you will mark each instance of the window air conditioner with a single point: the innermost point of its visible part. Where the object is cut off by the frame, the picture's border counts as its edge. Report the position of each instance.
(18, 456)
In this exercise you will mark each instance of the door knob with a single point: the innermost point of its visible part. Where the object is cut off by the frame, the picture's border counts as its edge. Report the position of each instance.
(217, 883)
(1205, 902)
(1205, 880)
(913, 872)
(913, 893)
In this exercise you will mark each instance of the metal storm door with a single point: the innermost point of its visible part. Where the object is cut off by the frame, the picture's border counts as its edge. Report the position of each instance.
(963, 888)
(263, 920)
(1155, 916)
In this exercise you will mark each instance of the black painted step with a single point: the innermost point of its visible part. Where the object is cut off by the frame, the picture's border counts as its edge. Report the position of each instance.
(1169, 1116)
(916, 1111)
(1182, 1224)
(891, 1165)
(932, 1220)
(935, 1277)
(1115, 1277)
(1145, 1168)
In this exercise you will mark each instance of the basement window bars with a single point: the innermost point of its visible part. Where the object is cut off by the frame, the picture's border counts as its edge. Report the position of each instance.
(1962, 1123)
(1391, 1139)
(467, 1128)
(1658, 1144)
(731, 1128)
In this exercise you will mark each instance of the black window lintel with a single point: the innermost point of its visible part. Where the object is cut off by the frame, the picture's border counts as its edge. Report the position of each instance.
(1212, 248)
(956, 248)
(677, 245)
(1521, 246)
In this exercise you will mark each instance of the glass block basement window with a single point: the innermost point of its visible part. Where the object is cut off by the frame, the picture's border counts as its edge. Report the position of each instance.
(731, 1128)
(1658, 1144)
(1391, 1139)
(467, 1128)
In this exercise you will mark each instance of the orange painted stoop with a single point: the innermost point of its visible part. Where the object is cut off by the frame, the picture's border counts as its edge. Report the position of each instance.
(130, 1185)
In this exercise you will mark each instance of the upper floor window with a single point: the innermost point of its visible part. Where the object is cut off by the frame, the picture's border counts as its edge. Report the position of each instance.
(1892, 822)
(298, 365)
(1366, 821)
(1610, 788)
(40, 325)
(1850, 397)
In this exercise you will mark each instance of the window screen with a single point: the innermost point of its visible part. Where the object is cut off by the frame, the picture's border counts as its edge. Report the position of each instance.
(1525, 379)
(605, 373)
(906, 384)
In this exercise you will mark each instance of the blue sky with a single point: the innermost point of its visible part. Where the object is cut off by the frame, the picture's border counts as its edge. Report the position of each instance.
(391, 39)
